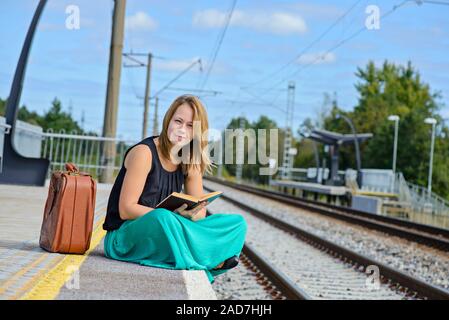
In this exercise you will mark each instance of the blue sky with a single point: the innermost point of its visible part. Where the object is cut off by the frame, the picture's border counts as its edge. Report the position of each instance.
(263, 36)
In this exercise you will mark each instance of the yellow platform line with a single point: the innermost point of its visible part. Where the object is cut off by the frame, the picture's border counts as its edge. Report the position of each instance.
(49, 285)
(21, 272)
(20, 252)
(27, 285)
(34, 263)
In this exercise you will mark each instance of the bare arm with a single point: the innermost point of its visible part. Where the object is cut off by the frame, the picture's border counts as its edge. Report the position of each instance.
(194, 187)
(138, 165)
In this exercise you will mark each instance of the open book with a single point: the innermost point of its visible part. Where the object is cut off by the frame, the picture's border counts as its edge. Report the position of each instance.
(176, 199)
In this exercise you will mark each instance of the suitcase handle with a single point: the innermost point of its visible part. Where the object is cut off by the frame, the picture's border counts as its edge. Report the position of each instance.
(74, 171)
(71, 167)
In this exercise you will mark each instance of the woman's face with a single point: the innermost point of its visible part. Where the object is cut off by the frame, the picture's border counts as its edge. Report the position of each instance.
(180, 128)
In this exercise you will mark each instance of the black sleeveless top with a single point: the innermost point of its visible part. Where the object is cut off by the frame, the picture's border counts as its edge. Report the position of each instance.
(158, 185)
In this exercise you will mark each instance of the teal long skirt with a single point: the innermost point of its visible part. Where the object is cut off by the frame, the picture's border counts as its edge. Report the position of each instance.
(164, 239)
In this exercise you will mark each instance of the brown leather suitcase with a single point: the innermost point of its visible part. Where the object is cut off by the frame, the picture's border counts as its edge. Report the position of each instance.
(69, 212)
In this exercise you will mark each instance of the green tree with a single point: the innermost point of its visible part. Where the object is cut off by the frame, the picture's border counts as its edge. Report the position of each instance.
(251, 171)
(57, 119)
(305, 156)
(387, 90)
(2, 107)
(24, 114)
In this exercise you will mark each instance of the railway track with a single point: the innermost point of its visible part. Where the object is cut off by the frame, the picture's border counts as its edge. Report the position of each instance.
(416, 232)
(334, 266)
(271, 278)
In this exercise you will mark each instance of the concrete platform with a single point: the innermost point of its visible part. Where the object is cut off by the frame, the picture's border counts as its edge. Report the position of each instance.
(29, 272)
(311, 187)
(102, 278)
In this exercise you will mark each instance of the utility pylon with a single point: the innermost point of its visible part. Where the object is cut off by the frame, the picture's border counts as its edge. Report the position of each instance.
(288, 154)
(240, 151)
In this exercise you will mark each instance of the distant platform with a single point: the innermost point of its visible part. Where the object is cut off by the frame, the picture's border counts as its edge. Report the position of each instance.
(312, 187)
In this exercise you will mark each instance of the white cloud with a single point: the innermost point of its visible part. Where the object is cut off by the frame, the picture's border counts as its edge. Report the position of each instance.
(209, 18)
(316, 10)
(273, 22)
(317, 58)
(140, 21)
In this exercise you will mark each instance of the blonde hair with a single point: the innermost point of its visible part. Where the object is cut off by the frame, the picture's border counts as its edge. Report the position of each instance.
(197, 160)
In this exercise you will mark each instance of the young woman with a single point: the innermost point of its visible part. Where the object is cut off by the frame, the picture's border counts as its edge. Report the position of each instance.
(151, 170)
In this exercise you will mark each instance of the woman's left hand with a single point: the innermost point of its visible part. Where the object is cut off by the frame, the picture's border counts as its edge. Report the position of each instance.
(190, 214)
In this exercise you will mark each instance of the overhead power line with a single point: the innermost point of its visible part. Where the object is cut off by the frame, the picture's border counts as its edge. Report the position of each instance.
(333, 48)
(298, 56)
(218, 46)
(432, 2)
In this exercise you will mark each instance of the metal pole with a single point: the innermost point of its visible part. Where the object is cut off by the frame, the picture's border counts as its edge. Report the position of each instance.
(429, 186)
(12, 109)
(357, 150)
(17, 169)
(323, 171)
(395, 148)
(317, 163)
(156, 120)
(220, 157)
(147, 98)
(112, 93)
(240, 151)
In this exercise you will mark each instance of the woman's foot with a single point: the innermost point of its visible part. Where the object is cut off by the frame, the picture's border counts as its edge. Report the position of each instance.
(228, 263)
